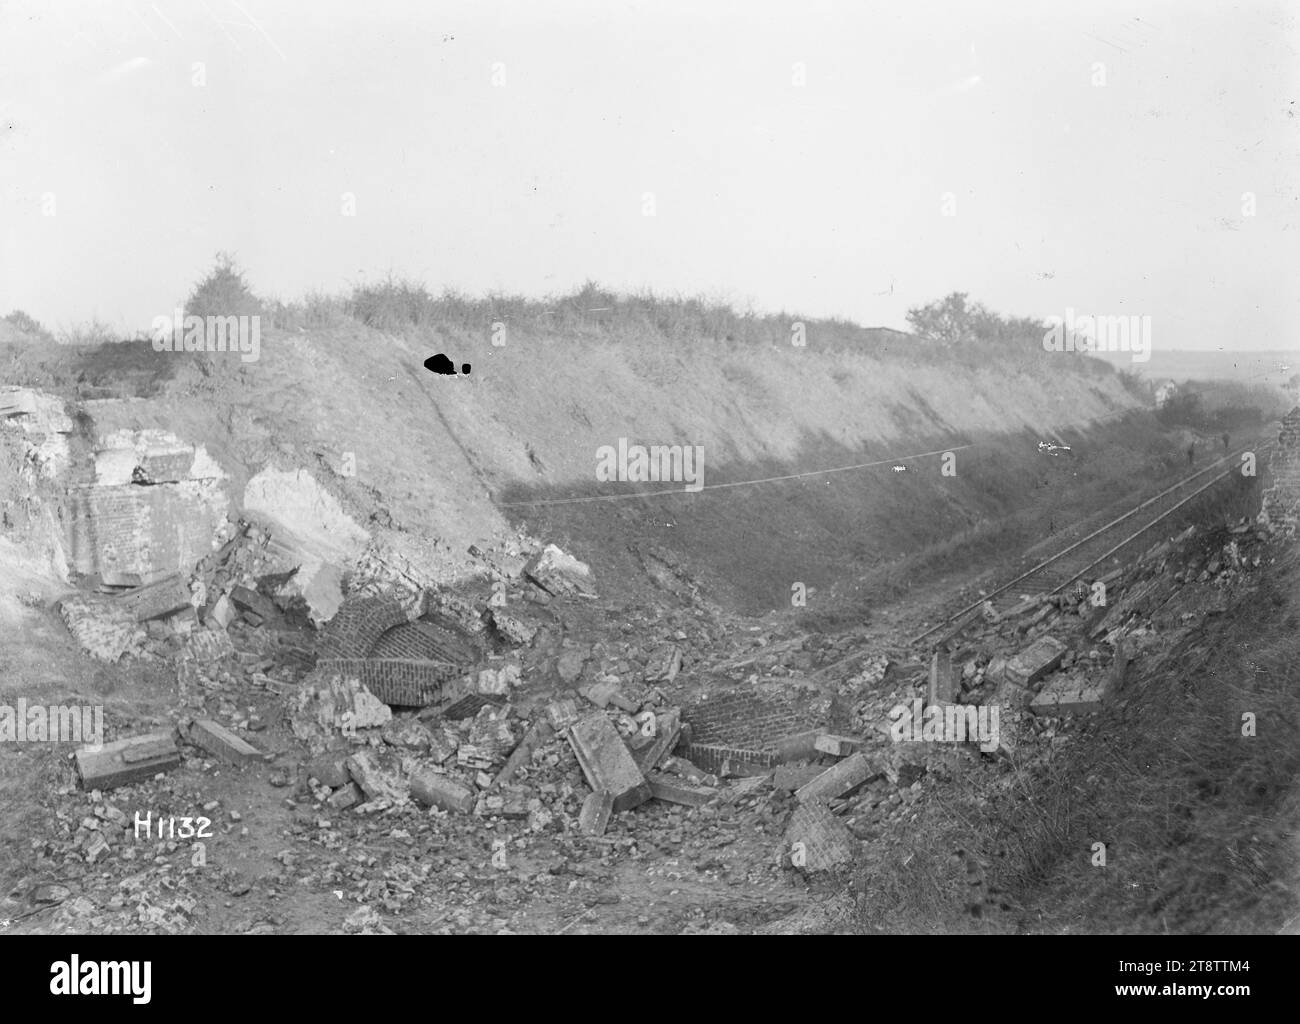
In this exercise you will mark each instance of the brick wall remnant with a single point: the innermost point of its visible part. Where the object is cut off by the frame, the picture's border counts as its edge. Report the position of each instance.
(400, 682)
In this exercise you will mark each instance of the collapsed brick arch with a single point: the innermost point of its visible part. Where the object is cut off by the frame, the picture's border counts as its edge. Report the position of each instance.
(401, 662)
(357, 626)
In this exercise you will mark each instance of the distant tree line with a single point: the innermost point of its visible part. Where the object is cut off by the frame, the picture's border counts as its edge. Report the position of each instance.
(955, 322)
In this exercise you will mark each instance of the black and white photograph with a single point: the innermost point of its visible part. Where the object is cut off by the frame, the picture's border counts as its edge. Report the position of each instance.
(629, 468)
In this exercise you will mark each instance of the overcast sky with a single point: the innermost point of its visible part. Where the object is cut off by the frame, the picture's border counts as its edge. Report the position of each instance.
(1038, 156)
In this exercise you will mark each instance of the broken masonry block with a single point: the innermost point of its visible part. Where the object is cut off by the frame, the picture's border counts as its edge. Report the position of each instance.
(376, 781)
(216, 739)
(517, 630)
(435, 790)
(345, 797)
(330, 770)
(942, 688)
(560, 574)
(606, 762)
(1119, 667)
(443, 745)
(126, 761)
(247, 600)
(837, 746)
(674, 791)
(596, 809)
(1035, 661)
(563, 713)
(154, 600)
(1070, 695)
(603, 694)
(222, 612)
(667, 731)
(469, 756)
(837, 779)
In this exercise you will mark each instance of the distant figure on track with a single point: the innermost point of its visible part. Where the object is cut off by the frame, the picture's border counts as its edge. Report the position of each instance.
(1225, 440)
(1191, 453)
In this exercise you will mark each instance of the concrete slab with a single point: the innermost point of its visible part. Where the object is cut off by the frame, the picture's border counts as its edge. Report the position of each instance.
(1071, 695)
(668, 730)
(168, 595)
(942, 686)
(596, 809)
(216, 739)
(837, 780)
(607, 763)
(434, 790)
(674, 791)
(1035, 661)
(131, 760)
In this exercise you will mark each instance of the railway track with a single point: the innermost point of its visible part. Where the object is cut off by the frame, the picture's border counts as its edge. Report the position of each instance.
(1109, 546)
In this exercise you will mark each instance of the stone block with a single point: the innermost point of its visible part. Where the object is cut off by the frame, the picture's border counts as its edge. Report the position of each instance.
(668, 730)
(837, 780)
(674, 791)
(596, 809)
(563, 713)
(560, 574)
(942, 688)
(837, 746)
(130, 760)
(435, 790)
(606, 762)
(345, 797)
(219, 741)
(1035, 661)
(222, 612)
(376, 780)
(1071, 695)
(170, 594)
